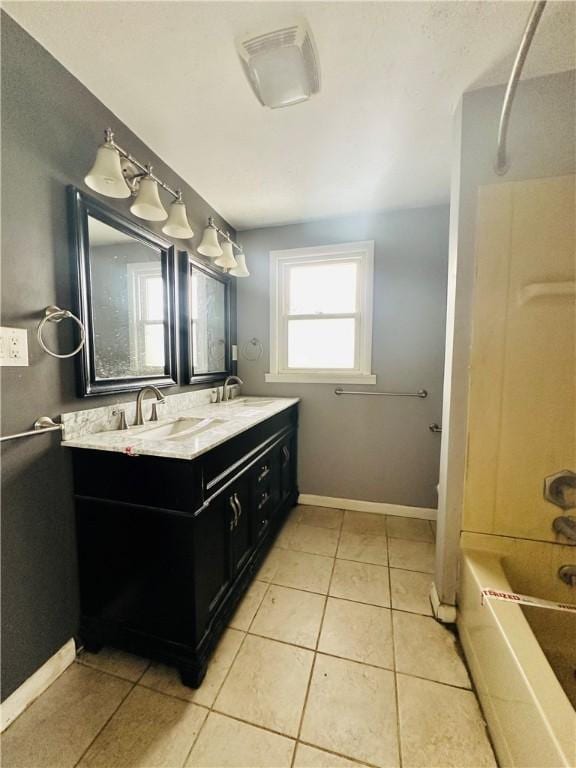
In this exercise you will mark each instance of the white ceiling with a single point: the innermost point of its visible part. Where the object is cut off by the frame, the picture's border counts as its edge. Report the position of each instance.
(378, 134)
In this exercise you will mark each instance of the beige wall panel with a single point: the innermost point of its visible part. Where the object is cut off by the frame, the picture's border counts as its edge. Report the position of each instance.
(522, 403)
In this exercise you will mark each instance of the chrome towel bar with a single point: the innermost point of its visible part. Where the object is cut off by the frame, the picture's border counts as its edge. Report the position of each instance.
(41, 425)
(420, 393)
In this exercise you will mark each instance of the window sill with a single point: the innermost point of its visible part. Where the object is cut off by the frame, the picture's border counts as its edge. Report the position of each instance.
(312, 378)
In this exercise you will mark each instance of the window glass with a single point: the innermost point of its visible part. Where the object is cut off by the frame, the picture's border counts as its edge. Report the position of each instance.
(328, 288)
(321, 343)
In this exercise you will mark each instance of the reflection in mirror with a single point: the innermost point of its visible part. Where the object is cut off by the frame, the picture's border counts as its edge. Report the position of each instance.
(208, 321)
(125, 299)
(127, 291)
(205, 321)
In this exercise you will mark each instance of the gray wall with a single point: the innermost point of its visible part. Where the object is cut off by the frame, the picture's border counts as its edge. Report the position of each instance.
(372, 449)
(541, 143)
(51, 126)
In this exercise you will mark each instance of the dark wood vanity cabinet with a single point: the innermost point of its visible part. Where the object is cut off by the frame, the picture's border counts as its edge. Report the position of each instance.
(167, 547)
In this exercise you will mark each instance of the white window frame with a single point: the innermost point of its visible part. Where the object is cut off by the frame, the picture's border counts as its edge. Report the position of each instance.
(280, 261)
(138, 273)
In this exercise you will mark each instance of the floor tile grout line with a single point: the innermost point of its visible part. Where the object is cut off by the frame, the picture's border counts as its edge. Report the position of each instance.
(296, 739)
(105, 724)
(348, 599)
(258, 726)
(260, 604)
(112, 674)
(134, 684)
(289, 737)
(316, 646)
(355, 760)
(211, 707)
(436, 682)
(348, 560)
(305, 702)
(396, 698)
(390, 608)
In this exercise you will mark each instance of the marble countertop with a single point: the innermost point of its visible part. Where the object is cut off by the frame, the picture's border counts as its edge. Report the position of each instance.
(219, 423)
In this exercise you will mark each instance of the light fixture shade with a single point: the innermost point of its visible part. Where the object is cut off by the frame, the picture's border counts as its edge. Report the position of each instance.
(105, 176)
(210, 245)
(148, 204)
(177, 224)
(241, 270)
(227, 260)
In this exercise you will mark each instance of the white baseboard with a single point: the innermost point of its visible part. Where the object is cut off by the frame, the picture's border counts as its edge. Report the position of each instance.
(377, 507)
(42, 679)
(442, 611)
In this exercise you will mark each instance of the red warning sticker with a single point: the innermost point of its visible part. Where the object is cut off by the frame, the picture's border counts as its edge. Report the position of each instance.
(515, 597)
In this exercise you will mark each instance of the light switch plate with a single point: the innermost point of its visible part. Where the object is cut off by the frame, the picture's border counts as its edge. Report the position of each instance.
(234, 352)
(13, 346)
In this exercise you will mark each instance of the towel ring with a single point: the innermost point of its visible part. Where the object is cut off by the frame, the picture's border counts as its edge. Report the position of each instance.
(252, 350)
(56, 315)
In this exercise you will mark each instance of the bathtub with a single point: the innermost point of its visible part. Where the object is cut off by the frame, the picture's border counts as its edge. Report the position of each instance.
(530, 717)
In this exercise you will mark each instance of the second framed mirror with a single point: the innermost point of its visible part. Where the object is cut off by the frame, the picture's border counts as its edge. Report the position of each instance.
(204, 322)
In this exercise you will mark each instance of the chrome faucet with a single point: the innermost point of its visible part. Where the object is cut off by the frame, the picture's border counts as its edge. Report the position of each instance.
(225, 388)
(139, 420)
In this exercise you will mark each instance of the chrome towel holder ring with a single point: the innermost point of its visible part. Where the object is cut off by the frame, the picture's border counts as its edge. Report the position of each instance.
(54, 314)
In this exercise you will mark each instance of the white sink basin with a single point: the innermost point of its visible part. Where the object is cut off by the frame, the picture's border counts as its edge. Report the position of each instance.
(252, 402)
(180, 429)
(164, 429)
(192, 433)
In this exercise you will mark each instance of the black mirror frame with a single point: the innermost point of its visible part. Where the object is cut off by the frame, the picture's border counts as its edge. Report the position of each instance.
(80, 206)
(186, 263)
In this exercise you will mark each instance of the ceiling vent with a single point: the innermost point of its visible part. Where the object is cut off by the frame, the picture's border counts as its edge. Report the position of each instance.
(281, 66)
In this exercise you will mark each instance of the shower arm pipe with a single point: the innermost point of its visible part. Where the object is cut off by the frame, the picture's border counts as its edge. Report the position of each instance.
(501, 166)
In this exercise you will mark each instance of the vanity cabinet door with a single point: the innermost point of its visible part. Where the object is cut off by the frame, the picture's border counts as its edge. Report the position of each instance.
(241, 540)
(287, 467)
(213, 574)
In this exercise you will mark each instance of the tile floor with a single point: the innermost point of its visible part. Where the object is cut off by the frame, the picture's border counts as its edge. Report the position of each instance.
(331, 661)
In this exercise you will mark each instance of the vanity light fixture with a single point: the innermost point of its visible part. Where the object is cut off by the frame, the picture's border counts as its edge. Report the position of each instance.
(106, 175)
(223, 254)
(148, 204)
(178, 224)
(117, 173)
(227, 260)
(241, 270)
(210, 246)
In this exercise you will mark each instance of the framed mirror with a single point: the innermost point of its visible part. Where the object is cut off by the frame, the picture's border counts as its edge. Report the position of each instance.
(205, 322)
(125, 299)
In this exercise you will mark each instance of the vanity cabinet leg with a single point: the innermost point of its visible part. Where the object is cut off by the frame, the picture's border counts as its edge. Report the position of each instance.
(92, 644)
(192, 677)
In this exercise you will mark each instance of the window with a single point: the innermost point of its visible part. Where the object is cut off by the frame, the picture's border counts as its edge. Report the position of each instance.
(146, 316)
(321, 314)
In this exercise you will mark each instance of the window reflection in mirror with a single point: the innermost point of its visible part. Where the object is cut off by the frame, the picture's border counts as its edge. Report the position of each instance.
(208, 323)
(127, 289)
